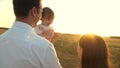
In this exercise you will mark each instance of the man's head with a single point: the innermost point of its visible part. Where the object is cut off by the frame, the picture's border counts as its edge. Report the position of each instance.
(47, 16)
(28, 9)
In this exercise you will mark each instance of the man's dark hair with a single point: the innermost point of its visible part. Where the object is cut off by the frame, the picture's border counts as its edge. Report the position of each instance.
(22, 7)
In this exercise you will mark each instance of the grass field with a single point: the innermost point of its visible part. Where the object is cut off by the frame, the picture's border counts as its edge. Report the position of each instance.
(2, 30)
(66, 49)
(66, 45)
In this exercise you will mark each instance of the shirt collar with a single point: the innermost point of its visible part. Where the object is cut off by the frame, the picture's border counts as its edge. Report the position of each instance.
(23, 25)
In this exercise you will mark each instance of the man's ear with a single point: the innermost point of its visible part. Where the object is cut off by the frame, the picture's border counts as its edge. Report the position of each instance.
(34, 11)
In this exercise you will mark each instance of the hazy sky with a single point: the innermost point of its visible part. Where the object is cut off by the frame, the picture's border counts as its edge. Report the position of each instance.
(75, 16)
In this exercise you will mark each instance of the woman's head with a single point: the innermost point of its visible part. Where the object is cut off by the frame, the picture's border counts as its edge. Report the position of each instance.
(93, 51)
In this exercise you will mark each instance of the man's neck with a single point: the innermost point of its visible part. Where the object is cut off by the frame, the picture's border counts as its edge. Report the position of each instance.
(25, 20)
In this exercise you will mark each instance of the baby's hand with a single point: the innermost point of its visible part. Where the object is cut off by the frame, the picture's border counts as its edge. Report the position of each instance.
(41, 28)
(48, 31)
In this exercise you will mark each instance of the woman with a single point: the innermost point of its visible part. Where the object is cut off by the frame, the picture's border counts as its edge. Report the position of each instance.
(93, 52)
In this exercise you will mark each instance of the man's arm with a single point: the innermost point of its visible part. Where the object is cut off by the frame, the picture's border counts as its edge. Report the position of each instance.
(50, 58)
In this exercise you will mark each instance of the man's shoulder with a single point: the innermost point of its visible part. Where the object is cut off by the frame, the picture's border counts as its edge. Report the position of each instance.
(40, 41)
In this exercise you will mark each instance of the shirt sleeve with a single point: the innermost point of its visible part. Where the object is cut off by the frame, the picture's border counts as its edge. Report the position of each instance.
(50, 58)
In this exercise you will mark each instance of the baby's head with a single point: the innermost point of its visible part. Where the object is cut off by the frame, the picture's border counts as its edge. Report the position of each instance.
(47, 16)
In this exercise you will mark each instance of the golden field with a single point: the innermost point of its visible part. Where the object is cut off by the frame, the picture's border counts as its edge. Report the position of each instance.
(66, 44)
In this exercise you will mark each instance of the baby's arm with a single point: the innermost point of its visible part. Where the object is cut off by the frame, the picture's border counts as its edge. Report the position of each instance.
(38, 29)
(48, 34)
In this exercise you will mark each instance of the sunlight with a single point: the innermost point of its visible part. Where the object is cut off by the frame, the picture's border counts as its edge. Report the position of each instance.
(6, 13)
(75, 16)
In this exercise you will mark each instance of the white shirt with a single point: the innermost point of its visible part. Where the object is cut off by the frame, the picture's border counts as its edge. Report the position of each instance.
(20, 47)
(45, 31)
(40, 28)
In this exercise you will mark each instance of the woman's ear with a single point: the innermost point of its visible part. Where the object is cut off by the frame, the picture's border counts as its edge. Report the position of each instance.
(41, 19)
(79, 51)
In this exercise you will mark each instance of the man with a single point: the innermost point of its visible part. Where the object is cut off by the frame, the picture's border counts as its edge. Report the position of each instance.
(20, 46)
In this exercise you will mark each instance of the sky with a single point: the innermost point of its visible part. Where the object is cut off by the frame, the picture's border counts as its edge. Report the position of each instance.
(100, 17)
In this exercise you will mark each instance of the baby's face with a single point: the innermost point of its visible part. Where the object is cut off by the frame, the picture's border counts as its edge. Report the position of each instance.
(47, 22)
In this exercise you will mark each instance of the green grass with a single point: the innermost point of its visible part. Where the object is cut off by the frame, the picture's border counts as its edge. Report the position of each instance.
(66, 44)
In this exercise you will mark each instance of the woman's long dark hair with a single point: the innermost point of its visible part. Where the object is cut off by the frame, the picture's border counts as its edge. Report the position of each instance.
(94, 52)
